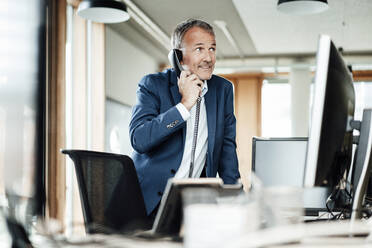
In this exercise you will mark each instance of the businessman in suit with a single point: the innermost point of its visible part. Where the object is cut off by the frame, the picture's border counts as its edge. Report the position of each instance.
(162, 124)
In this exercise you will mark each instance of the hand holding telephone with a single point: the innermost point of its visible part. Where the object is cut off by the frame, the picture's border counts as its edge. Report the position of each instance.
(175, 58)
(189, 84)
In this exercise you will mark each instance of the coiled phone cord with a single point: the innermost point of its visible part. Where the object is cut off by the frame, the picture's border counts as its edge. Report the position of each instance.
(195, 136)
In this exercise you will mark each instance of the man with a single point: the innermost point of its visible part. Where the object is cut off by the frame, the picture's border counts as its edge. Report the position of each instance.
(162, 124)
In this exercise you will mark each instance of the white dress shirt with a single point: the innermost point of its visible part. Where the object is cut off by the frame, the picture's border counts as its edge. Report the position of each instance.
(202, 139)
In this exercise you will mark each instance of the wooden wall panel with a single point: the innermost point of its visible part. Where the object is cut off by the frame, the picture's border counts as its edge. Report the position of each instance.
(362, 76)
(248, 114)
(55, 161)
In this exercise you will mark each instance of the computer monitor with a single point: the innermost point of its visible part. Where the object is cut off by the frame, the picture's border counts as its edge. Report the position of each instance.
(22, 110)
(281, 162)
(329, 150)
(362, 165)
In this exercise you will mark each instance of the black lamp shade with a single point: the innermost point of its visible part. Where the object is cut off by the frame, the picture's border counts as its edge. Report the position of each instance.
(302, 7)
(104, 11)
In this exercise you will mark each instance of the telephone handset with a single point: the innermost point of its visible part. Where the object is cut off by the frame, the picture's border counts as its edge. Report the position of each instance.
(175, 58)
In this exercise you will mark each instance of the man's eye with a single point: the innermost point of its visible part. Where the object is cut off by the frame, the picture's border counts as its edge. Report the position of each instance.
(198, 49)
(212, 49)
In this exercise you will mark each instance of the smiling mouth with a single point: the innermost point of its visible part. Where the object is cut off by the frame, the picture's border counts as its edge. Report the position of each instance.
(205, 68)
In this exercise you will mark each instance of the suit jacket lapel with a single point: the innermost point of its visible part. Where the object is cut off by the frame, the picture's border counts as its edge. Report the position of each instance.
(210, 107)
(175, 94)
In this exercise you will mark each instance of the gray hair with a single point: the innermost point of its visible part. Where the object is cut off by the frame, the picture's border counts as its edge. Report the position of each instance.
(183, 27)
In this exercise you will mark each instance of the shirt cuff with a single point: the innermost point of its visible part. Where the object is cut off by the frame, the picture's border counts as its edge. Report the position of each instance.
(183, 111)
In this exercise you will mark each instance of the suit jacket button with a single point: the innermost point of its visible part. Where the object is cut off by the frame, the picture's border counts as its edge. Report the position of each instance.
(173, 171)
(160, 193)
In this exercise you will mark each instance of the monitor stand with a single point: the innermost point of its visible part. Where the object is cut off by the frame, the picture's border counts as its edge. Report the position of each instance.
(362, 164)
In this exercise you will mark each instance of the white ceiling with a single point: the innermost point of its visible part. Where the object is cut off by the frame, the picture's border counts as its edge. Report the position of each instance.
(262, 34)
(348, 22)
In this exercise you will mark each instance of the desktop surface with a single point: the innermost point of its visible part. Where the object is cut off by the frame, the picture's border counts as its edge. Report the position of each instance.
(266, 238)
(325, 234)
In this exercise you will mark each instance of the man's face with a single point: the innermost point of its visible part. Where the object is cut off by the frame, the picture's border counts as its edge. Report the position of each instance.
(199, 52)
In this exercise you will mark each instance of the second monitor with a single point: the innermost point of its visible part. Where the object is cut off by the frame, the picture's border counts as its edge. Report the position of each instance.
(281, 162)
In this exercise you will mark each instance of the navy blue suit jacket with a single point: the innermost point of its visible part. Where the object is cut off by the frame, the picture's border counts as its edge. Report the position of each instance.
(157, 133)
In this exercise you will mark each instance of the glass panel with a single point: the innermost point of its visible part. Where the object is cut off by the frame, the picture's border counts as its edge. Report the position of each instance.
(22, 82)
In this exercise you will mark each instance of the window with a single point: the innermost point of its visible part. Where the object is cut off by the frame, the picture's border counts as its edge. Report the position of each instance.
(276, 108)
(276, 105)
(117, 127)
(363, 98)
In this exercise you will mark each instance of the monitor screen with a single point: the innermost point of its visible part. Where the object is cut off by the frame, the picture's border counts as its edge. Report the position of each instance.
(329, 149)
(22, 108)
(281, 162)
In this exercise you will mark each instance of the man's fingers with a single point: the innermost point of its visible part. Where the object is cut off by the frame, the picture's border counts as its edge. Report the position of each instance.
(189, 78)
(185, 74)
(199, 82)
(192, 77)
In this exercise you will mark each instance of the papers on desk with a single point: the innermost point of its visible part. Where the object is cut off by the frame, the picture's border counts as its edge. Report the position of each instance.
(280, 235)
(103, 241)
(208, 225)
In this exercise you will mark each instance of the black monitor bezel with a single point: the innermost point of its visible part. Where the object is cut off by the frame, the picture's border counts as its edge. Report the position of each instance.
(328, 119)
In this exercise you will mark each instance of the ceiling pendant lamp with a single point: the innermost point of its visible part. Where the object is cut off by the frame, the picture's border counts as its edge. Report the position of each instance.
(104, 11)
(302, 7)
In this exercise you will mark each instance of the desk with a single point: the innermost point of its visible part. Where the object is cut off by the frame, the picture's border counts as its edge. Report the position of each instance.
(292, 236)
(103, 241)
(327, 242)
(320, 234)
(308, 240)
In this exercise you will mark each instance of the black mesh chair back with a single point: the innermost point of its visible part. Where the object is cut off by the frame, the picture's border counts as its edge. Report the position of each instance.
(111, 197)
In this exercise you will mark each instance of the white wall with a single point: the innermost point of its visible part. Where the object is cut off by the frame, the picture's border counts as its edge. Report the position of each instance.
(125, 66)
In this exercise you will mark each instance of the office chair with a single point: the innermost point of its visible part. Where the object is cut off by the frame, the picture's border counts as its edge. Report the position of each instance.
(111, 197)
